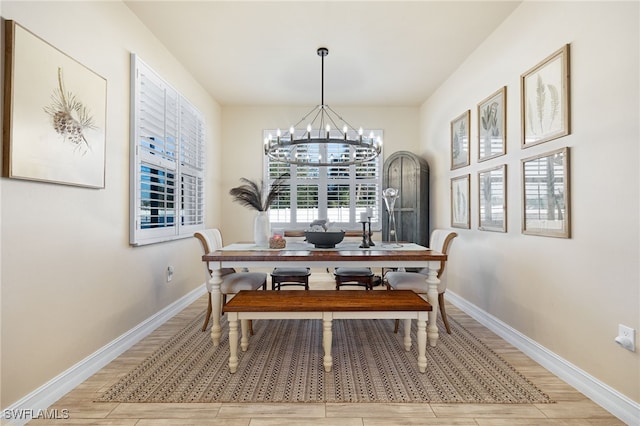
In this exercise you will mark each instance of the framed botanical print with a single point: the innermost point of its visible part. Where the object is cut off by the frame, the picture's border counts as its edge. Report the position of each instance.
(545, 99)
(492, 199)
(492, 130)
(460, 205)
(545, 194)
(460, 140)
(54, 114)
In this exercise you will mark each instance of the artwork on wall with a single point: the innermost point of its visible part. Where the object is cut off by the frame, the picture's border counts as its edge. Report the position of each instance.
(545, 99)
(545, 201)
(54, 114)
(492, 199)
(460, 203)
(492, 130)
(460, 140)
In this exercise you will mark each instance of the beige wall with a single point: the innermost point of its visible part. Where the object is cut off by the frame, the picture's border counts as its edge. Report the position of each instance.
(70, 281)
(569, 295)
(242, 147)
(71, 284)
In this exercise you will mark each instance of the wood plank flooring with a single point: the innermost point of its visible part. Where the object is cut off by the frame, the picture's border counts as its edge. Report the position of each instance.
(572, 407)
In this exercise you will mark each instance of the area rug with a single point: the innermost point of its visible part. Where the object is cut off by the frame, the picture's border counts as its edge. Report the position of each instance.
(284, 364)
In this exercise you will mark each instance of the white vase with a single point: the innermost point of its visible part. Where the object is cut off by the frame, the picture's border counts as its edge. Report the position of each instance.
(262, 229)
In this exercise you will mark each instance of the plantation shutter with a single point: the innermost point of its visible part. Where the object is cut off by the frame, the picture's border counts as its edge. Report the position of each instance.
(336, 193)
(167, 161)
(191, 167)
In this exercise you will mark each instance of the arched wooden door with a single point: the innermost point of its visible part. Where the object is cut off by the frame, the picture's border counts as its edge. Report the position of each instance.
(408, 173)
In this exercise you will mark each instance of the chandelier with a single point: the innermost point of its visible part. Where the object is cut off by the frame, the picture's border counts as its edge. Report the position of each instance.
(327, 140)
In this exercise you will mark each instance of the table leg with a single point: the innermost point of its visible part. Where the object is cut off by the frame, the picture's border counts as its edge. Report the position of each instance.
(216, 304)
(422, 342)
(407, 334)
(244, 341)
(432, 298)
(233, 341)
(327, 336)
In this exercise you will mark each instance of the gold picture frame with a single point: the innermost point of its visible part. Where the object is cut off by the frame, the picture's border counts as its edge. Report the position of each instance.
(492, 199)
(492, 125)
(460, 202)
(545, 91)
(546, 207)
(54, 114)
(460, 140)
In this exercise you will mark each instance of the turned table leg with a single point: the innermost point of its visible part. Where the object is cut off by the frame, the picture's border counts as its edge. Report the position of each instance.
(216, 305)
(432, 298)
(327, 336)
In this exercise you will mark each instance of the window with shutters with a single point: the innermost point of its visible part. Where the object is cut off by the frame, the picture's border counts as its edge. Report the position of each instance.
(338, 194)
(167, 160)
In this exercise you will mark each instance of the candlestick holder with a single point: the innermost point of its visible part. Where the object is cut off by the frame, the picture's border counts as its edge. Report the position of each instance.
(370, 234)
(390, 195)
(364, 244)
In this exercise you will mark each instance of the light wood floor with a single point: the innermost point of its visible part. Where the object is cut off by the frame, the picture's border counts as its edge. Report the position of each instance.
(572, 407)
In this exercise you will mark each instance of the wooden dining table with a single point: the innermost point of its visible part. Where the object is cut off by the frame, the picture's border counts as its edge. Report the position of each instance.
(345, 254)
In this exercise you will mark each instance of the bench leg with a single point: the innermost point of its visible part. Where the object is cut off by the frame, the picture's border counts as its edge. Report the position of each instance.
(422, 342)
(407, 334)
(245, 327)
(327, 336)
(233, 341)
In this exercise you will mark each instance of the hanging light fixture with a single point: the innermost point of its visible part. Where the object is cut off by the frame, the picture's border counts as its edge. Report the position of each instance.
(327, 139)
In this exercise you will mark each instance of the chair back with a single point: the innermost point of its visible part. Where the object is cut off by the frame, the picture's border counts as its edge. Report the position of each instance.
(211, 240)
(441, 241)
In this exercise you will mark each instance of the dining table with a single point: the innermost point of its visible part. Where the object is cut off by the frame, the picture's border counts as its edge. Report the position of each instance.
(344, 254)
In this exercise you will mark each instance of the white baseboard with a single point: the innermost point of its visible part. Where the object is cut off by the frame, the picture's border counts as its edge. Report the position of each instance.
(602, 394)
(40, 399)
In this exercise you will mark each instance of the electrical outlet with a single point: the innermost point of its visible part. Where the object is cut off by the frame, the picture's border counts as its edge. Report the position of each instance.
(169, 273)
(626, 337)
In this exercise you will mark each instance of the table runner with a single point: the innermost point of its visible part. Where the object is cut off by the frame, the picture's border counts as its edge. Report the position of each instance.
(345, 245)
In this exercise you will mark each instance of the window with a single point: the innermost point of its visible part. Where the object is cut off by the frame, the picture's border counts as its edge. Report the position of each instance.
(167, 158)
(338, 194)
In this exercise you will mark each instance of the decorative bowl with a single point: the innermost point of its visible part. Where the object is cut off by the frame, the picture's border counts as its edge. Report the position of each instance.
(327, 239)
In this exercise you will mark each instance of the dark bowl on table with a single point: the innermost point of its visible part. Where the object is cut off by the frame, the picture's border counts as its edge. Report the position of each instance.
(322, 239)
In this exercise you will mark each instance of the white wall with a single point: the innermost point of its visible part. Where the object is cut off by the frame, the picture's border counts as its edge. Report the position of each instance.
(242, 147)
(569, 295)
(70, 281)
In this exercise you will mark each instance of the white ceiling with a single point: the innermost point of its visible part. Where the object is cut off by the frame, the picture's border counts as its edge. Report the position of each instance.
(381, 53)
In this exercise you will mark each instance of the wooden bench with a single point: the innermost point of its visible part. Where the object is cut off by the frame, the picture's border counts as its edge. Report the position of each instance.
(326, 305)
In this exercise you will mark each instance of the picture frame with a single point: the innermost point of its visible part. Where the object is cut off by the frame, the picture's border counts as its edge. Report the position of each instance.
(545, 99)
(492, 128)
(54, 114)
(460, 203)
(460, 140)
(492, 199)
(546, 207)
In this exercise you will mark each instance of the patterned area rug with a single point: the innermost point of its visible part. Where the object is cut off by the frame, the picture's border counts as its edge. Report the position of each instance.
(284, 364)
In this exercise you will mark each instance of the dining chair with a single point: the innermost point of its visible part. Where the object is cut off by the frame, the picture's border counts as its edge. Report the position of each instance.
(232, 281)
(281, 277)
(440, 241)
(354, 276)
